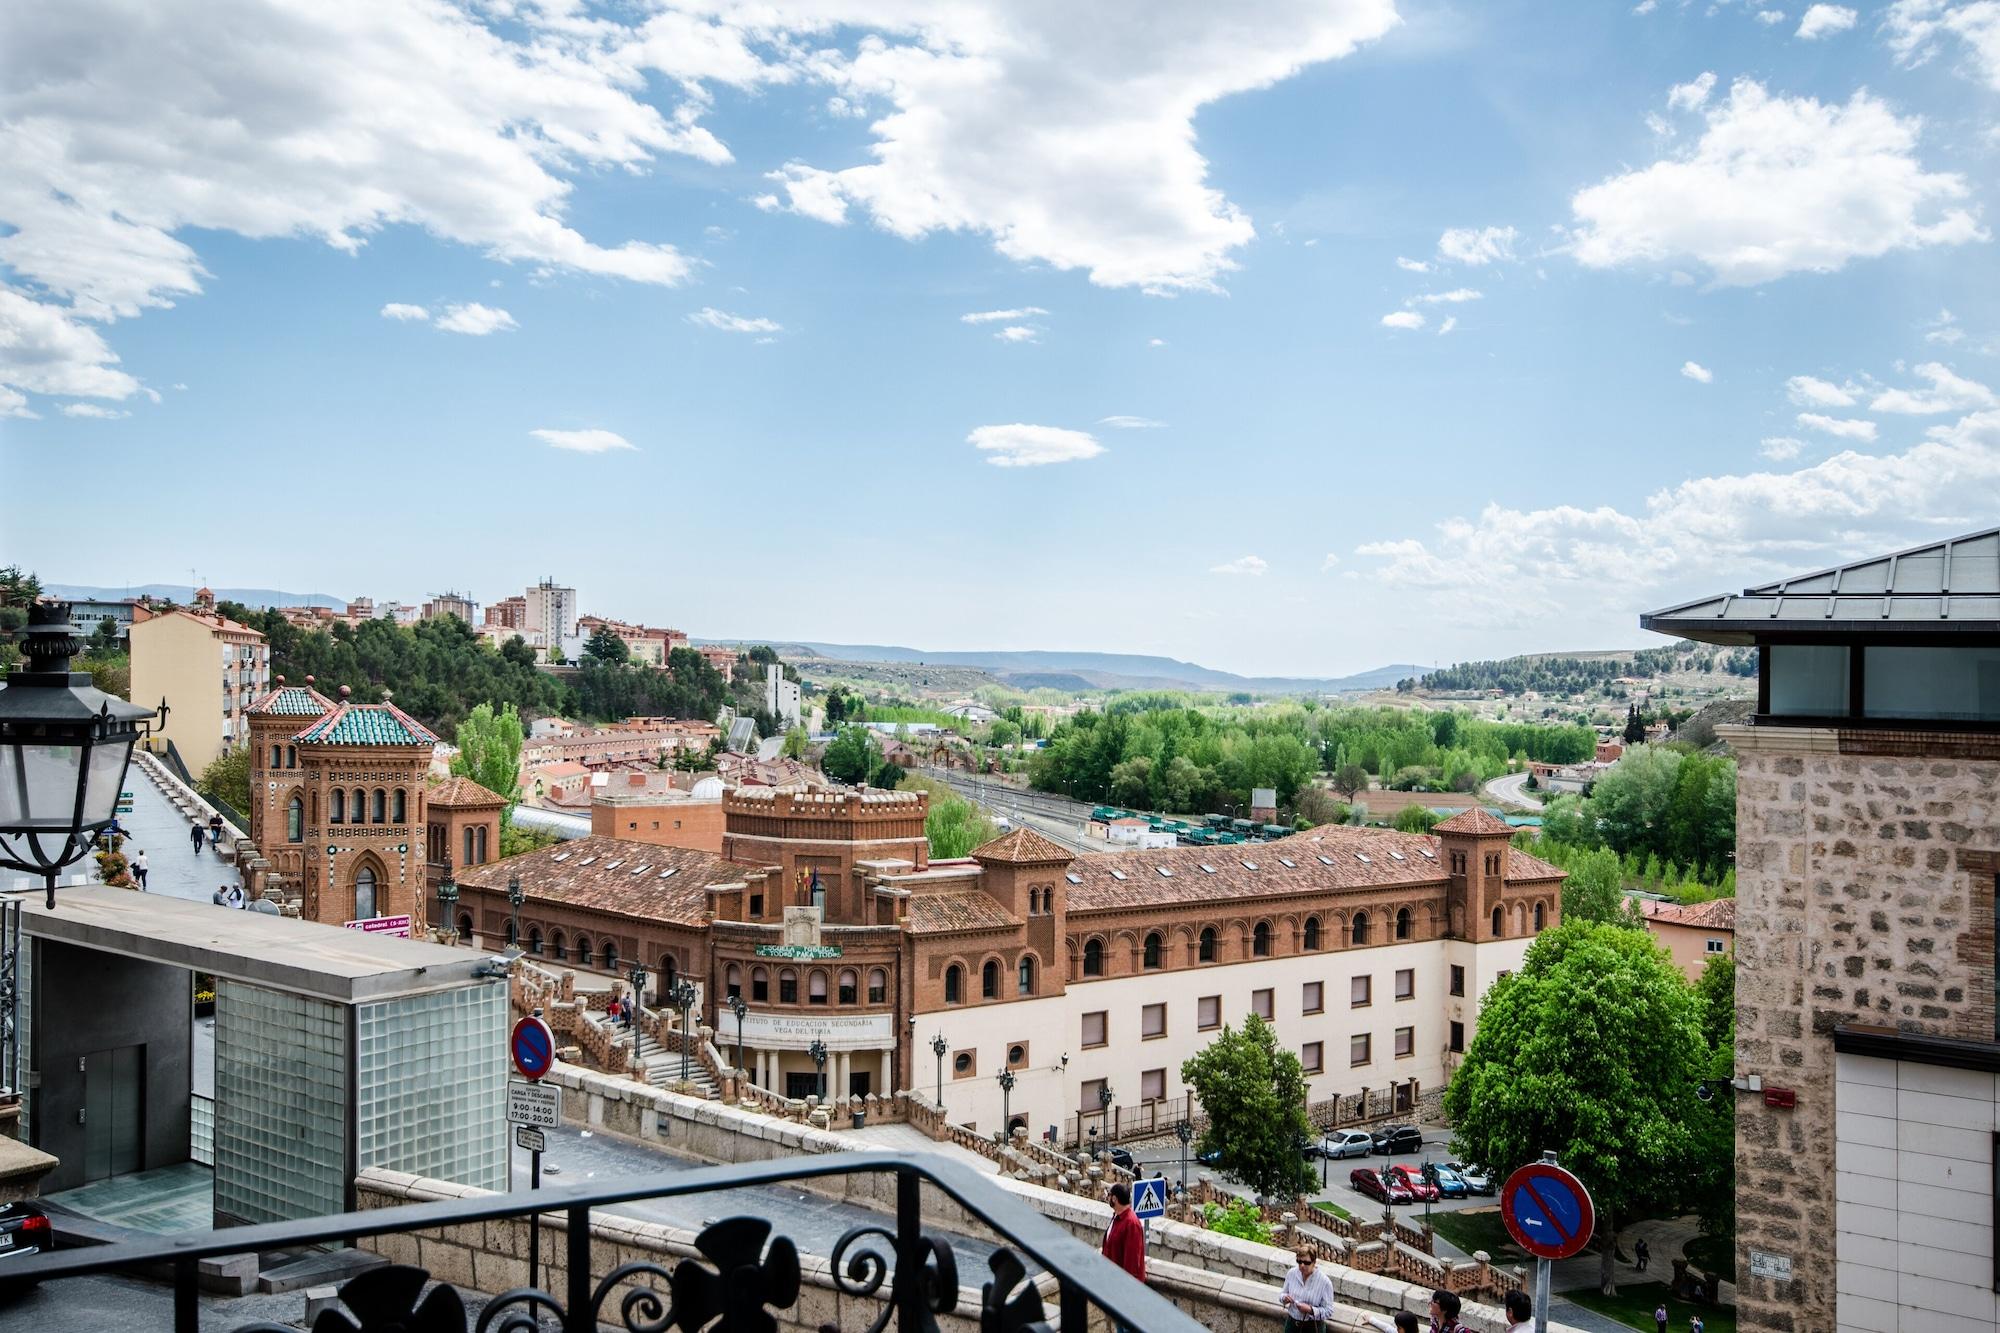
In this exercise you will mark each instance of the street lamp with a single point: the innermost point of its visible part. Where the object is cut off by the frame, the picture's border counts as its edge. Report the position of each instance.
(1006, 1096)
(738, 1008)
(938, 1049)
(1184, 1131)
(515, 897)
(817, 1051)
(682, 997)
(1104, 1102)
(448, 901)
(637, 976)
(64, 749)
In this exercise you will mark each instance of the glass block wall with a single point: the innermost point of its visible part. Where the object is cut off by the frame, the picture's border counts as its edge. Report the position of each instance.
(431, 1091)
(280, 1104)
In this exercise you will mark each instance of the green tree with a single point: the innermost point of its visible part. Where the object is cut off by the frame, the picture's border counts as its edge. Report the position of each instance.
(1241, 1219)
(851, 756)
(1593, 1049)
(889, 775)
(1716, 990)
(227, 779)
(1415, 819)
(1003, 732)
(606, 647)
(1129, 781)
(1595, 889)
(489, 752)
(1254, 1094)
(796, 741)
(1349, 779)
(836, 707)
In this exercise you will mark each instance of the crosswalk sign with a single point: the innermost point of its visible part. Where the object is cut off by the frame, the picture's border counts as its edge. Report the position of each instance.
(1149, 1198)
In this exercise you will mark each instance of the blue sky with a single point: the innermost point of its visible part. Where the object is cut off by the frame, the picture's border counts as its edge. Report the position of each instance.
(1343, 333)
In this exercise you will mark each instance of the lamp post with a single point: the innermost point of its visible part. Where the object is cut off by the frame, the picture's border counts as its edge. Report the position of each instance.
(817, 1051)
(938, 1049)
(738, 1008)
(448, 901)
(1006, 1080)
(637, 976)
(515, 897)
(1184, 1131)
(1104, 1103)
(683, 997)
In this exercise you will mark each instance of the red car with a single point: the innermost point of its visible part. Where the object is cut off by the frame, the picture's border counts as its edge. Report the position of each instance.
(1377, 1185)
(1420, 1189)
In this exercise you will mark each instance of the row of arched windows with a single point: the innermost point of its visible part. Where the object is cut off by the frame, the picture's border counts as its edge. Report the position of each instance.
(284, 756)
(846, 985)
(1360, 930)
(991, 980)
(362, 807)
(1520, 918)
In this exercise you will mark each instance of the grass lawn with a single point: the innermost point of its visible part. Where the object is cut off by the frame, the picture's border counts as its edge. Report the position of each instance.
(1329, 1206)
(1712, 1254)
(1470, 1230)
(1634, 1305)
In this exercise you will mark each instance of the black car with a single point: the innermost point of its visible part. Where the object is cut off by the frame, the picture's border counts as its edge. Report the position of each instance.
(1120, 1157)
(24, 1230)
(1398, 1138)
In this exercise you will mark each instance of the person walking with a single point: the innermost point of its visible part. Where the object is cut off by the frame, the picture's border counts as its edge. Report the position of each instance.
(139, 868)
(194, 835)
(1444, 1312)
(1125, 1242)
(1307, 1298)
(214, 829)
(1660, 1316)
(1520, 1312)
(1642, 1254)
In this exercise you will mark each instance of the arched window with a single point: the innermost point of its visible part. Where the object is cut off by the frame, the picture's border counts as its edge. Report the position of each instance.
(878, 986)
(380, 813)
(291, 756)
(760, 985)
(1520, 920)
(534, 939)
(465, 926)
(295, 820)
(670, 972)
(1361, 927)
(558, 947)
(364, 893)
(732, 981)
(336, 806)
(467, 858)
(788, 987)
(1541, 917)
(1312, 934)
(277, 754)
(1260, 940)
(508, 931)
(398, 807)
(479, 844)
(816, 987)
(989, 981)
(850, 986)
(1151, 958)
(1499, 921)
(1025, 977)
(954, 982)
(1093, 958)
(610, 956)
(583, 950)
(1402, 923)
(1208, 944)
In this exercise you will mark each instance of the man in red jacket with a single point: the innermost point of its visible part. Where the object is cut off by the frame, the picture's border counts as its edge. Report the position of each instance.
(1125, 1243)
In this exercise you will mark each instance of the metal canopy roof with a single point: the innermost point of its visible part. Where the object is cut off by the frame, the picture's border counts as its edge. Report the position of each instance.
(1951, 587)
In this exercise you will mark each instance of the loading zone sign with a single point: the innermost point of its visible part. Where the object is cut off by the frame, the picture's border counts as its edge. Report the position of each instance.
(537, 1104)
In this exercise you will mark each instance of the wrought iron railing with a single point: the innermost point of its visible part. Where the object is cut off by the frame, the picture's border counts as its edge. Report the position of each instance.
(743, 1275)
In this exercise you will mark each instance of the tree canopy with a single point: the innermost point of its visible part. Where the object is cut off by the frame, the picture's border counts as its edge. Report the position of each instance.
(852, 756)
(489, 752)
(1254, 1094)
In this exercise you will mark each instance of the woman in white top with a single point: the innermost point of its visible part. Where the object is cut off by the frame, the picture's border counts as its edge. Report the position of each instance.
(1308, 1296)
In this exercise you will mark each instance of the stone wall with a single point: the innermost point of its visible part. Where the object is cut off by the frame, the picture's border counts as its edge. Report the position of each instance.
(1865, 881)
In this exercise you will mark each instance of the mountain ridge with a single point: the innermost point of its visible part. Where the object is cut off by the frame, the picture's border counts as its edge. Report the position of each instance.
(255, 598)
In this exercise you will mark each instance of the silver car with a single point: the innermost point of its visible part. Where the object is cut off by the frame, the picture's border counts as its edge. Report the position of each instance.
(1346, 1143)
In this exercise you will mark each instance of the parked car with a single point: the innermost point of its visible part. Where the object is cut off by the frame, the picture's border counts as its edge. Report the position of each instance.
(1347, 1143)
(1450, 1184)
(1375, 1185)
(1212, 1157)
(1393, 1139)
(1423, 1191)
(24, 1230)
(1478, 1179)
(1121, 1157)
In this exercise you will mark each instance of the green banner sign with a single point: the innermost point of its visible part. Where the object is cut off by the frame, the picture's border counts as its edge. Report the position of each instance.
(798, 951)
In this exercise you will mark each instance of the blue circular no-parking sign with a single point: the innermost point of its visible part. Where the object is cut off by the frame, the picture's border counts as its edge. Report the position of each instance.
(1547, 1211)
(533, 1047)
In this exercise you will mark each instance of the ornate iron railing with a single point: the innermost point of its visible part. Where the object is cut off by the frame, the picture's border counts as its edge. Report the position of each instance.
(744, 1272)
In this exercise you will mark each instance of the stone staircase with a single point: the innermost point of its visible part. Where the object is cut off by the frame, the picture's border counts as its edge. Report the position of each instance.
(663, 1067)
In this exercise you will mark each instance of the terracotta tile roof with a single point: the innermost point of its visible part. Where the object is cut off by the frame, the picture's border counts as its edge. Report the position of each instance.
(611, 875)
(1475, 821)
(1022, 847)
(366, 724)
(1715, 914)
(218, 622)
(1324, 860)
(294, 701)
(958, 911)
(460, 791)
(1521, 866)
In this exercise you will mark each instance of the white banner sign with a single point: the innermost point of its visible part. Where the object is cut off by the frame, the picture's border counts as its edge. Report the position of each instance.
(537, 1104)
(797, 1031)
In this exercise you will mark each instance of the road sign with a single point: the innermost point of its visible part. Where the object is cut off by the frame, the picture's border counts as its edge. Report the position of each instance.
(533, 1047)
(382, 925)
(527, 1136)
(1149, 1198)
(537, 1104)
(1547, 1211)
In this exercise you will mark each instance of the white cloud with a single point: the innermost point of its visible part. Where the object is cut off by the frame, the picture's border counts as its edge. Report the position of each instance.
(1948, 393)
(1780, 448)
(1131, 423)
(1403, 319)
(1412, 265)
(1770, 18)
(1777, 185)
(476, 320)
(712, 318)
(1645, 6)
(1700, 374)
(583, 441)
(14, 404)
(1242, 564)
(1841, 427)
(398, 310)
(44, 349)
(1916, 30)
(1944, 329)
(1691, 95)
(1156, 342)
(1002, 316)
(1824, 21)
(93, 411)
(1805, 391)
(1331, 560)
(1450, 323)
(1019, 333)
(1019, 445)
(1477, 245)
(1456, 296)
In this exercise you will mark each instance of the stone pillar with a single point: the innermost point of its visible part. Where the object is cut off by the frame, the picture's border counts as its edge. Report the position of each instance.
(882, 1084)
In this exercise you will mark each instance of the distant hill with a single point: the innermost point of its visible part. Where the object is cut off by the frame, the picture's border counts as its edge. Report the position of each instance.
(255, 598)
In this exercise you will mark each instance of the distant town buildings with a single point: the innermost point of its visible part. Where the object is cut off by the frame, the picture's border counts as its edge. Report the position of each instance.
(208, 668)
(508, 613)
(451, 604)
(781, 696)
(643, 644)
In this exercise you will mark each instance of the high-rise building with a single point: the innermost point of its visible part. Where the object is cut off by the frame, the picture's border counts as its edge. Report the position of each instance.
(781, 696)
(451, 604)
(208, 669)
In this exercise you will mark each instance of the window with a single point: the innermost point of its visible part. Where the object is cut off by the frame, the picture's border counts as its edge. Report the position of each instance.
(1153, 1085)
(277, 754)
(1093, 958)
(1312, 934)
(732, 981)
(1153, 1021)
(1714, 946)
(364, 897)
(1313, 1000)
(1152, 956)
(534, 939)
(1090, 1096)
(756, 905)
(1361, 927)
(295, 820)
(1208, 944)
(850, 986)
(583, 949)
(610, 956)
(1313, 1056)
(1542, 919)
(1017, 1055)
(1360, 992)
(1810, 680)
(1024, 977)
(1402, 923)
(788, 987)
(760, 985)
(1260, 1004)
(1499, 921)
(816, 987)
(1406, 983)
(398, 807)
(1208, 1012)
(467, 858)
(291, 756)
(508, 931)
(1958, 684)
(1458, 1038)
(1406, 1042)
(558, 947)
(379, 811)
(479, 844)
(1357, 1049)
(1260, 940)
(336, 806)
(1457, 979)
(989, 981)
(878, 986)
(954, 981)
(964, 1064)
(1094, 1029)
(465, 926)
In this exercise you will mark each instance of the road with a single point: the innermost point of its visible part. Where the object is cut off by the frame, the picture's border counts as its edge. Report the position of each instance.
(1513, 790)
(1056, 818)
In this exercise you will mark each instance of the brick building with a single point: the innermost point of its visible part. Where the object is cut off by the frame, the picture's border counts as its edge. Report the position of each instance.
(1692, 932)
(1868, 850)
(462, 825)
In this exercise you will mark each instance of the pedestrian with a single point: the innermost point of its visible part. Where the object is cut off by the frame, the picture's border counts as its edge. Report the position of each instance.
(1444, 1312)
(1307, 1297)
(1641, 1254)
(221, 898)
(1695, 1325)
(1660, 1315)
(234, 895)
(139, 868)
(1403, 1321)
(214, 830)
(1520, 1312)
(194, 835)
(1125, 1243)
(611, 1010)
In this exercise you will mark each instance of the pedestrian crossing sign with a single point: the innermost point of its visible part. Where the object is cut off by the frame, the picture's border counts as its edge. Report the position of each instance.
(1149, 1198)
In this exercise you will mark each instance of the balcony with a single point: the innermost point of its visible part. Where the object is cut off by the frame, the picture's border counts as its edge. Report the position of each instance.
(569, 1261)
